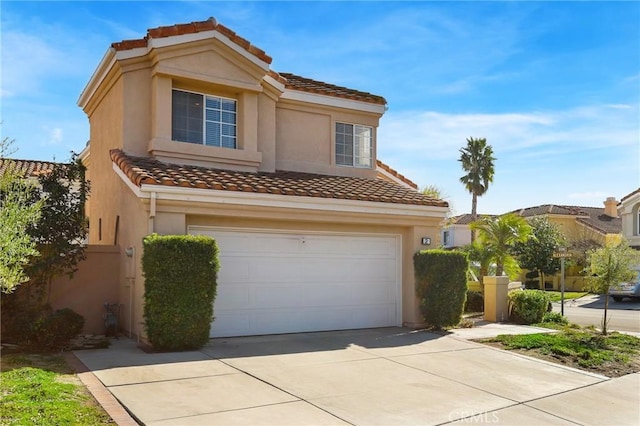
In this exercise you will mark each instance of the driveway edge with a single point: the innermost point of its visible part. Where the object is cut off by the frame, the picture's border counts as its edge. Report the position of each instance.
(101, 394)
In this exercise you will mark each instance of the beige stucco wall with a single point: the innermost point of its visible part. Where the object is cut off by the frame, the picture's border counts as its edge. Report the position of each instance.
(574, 230)
(106, 132)
(306, 138)
(94, 283)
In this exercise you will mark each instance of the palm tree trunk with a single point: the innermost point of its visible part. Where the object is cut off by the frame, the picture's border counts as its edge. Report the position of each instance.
(474, 214)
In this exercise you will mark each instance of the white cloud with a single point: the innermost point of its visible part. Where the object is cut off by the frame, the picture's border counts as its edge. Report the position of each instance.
(54, 136)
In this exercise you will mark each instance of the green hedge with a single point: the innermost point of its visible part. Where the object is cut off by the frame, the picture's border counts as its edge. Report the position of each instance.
(527, 306)
(441, 285)
(474, 302)
(180, 287)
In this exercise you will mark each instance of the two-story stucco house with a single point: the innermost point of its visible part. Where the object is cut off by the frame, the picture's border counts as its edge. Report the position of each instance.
(192, 132)
(629, 208)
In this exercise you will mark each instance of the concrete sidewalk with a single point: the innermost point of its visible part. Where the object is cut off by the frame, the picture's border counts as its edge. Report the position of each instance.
(362, 377)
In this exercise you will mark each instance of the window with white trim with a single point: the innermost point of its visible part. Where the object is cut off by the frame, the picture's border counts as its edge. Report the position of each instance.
(354, 145)
(203, 119)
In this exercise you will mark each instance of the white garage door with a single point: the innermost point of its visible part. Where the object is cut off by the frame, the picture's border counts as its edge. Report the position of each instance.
(274, 282)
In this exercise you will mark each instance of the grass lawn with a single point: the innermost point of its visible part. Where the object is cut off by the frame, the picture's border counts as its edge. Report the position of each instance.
(555, 296)
(613, 355)
(41, 389)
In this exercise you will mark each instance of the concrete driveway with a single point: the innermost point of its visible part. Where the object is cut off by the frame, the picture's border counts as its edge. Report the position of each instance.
(365, 377)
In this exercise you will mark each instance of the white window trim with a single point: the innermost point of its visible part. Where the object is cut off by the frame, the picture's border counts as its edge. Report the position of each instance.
(354, 156)
(204, 115)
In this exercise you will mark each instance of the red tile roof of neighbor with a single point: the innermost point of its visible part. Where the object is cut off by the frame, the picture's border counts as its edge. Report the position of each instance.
(149, 171)
(291, 81)
(28, 168)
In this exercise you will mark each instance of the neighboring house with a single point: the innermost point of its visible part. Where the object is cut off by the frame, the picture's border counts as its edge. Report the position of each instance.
(629, 208)
(579, 224)
(456, 232)
(192, 132)
(582, 226)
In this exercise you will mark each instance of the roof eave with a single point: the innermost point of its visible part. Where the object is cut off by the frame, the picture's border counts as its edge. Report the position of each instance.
(177, 193)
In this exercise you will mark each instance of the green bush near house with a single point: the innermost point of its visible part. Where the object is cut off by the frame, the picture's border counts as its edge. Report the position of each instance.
(555, 317)
(57, 329)
(474, 302)
(441, 286)
(180, 288)
(527, 306)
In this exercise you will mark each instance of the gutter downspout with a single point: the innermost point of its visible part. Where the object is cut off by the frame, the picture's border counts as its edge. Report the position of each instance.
(152, 211)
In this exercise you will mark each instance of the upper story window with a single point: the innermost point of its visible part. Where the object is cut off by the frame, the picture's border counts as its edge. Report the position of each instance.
(204, 119)
(354, 145)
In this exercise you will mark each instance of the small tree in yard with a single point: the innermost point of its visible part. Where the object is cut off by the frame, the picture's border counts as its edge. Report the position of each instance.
(62, 229)
(536, 254)
(18, 212)
(499, 235)
(609, 266)
(58, 235)
(480, 258)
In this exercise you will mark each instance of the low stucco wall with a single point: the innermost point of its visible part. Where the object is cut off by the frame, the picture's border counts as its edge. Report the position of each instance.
(95, 283)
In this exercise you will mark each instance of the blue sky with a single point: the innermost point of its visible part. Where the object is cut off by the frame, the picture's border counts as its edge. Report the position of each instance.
(553, 86)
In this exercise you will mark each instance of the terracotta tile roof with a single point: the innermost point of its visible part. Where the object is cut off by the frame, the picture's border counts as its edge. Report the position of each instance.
(593, 217)
(27, 168)
(394, 173)
(192, 28)
(626, 197)
(465, 219)
(149, 171)
(295, 82)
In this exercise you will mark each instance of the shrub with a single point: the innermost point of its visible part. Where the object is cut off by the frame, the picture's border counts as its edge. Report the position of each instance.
(555, 317)
(532, 284)
(527, 306)
(441, 285)
(56, 330)
(180, 287)
(474, 302)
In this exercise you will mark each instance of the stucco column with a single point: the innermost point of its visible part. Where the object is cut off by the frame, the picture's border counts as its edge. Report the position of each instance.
(496, 301)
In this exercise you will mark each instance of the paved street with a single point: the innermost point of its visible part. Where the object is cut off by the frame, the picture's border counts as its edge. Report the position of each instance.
(589, 310)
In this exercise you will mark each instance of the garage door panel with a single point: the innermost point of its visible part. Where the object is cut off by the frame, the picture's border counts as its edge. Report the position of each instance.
(279, 282)
(236, 323)
(233, 270)
(237, 296)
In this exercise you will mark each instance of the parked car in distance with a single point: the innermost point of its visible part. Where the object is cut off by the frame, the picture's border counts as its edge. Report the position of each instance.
(630, 289)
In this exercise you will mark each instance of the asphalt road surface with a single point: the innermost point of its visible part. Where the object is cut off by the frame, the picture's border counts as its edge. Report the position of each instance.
(589, 310)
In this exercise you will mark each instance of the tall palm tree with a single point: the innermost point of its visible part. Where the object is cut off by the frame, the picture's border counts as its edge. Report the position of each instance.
(477, 161)
(498, 235)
